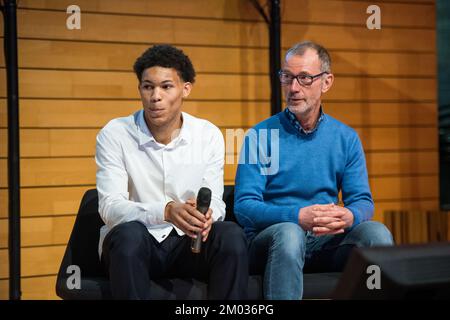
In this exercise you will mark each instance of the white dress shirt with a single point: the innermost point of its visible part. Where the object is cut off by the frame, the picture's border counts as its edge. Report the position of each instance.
(137, 176)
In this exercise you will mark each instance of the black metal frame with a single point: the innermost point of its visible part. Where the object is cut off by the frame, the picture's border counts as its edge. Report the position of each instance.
(9, 9)
(274, 50)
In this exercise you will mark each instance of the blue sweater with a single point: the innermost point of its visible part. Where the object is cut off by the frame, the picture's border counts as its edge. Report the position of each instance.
(310, 169)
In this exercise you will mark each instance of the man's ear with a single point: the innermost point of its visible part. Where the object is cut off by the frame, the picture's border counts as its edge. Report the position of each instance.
(187, 87)
(327, 82)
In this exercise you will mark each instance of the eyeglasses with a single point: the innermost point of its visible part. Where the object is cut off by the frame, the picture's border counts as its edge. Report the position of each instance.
(303, 79)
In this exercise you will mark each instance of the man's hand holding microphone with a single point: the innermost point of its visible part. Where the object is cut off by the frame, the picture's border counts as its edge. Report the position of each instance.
(194, 217)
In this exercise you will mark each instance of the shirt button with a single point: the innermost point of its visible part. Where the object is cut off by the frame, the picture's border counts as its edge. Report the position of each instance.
(163, 236)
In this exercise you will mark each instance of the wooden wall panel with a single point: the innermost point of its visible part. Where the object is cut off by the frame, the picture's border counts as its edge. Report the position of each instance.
(33, 288)
(44, 113)
(81, 170)
(72, 82)
(54, 142)
(217, 9)
(54, 54)
(142, 29)
(59, 201)
(40, 231)
(352, 13)
(411, 13)
(122, 85)
(43, 260)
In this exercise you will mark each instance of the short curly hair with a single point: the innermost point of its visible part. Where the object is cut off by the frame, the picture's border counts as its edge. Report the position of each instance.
(165, 56)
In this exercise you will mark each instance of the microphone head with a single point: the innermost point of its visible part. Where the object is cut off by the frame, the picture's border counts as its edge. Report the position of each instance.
(204, 198)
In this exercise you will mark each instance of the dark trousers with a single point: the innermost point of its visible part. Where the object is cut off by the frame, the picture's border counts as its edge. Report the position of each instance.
(132, 257)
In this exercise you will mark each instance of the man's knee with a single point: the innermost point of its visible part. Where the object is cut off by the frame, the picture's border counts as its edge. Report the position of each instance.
(229, 237)
(127, 239)
(372, 233)
(288, 240)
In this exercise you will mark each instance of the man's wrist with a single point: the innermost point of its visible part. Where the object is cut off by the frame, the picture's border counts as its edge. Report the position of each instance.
(167, 209)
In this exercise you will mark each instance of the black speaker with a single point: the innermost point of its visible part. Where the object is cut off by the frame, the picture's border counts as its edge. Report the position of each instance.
(397, 272)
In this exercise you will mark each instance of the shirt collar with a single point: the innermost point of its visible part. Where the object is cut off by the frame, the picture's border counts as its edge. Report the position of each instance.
(297, 125)
(145, 136)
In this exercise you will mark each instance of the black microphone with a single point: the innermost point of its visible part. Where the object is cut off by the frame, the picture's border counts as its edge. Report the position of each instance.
(203, 202)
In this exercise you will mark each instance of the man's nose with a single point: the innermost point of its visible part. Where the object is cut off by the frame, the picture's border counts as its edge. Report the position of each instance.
(295, 85)
(156, 94)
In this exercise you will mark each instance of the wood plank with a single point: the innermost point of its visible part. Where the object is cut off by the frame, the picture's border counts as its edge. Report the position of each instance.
(4, 289)
(89, 84)
(364, 114)
(95, 114)
(57, 142)
(382, 164)
(39, 231)
(66, 200)
(34, 261)
(57, 171)
(142, 29)
(409, 1)
(4, 145)
(46, 24)
(408, 187)
(403, 163)
(112, 56)
(115, 85)
(56, 230)
(405, 138)
(4, 213)
(374, 139)
(318, 11)
(382, 89)
(34, 288)
(360, 38)
(217, 9)
(3, 83)
(81, 171)
(39, 288)
(54, 172)
(58, 201)
(73, 171)
(54, 142)
(381, 63)
(354, 12)
(381, 207)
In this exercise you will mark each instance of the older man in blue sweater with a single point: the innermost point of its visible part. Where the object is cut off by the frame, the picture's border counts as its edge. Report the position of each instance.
(292, 168)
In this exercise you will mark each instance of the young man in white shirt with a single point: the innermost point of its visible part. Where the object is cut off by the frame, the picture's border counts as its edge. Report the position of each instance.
(150, 166)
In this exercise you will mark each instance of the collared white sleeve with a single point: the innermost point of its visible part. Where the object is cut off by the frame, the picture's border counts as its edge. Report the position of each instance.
(112, 186)
(213, 177)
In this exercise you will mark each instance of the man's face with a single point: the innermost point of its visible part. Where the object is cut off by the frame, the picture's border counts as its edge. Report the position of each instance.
(162, 92)
(300, 99)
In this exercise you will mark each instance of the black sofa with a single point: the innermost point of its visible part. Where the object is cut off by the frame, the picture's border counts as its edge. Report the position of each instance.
(82, 251)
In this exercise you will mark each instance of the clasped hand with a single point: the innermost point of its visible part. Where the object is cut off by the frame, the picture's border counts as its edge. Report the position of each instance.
(324, 219)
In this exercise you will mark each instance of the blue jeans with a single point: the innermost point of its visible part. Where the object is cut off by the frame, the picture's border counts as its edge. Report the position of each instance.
(283, 251)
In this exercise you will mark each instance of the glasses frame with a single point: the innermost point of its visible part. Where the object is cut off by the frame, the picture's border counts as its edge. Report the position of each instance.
(307, 76)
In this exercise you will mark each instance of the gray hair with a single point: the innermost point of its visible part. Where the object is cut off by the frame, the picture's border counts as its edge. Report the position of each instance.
(324, 57)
